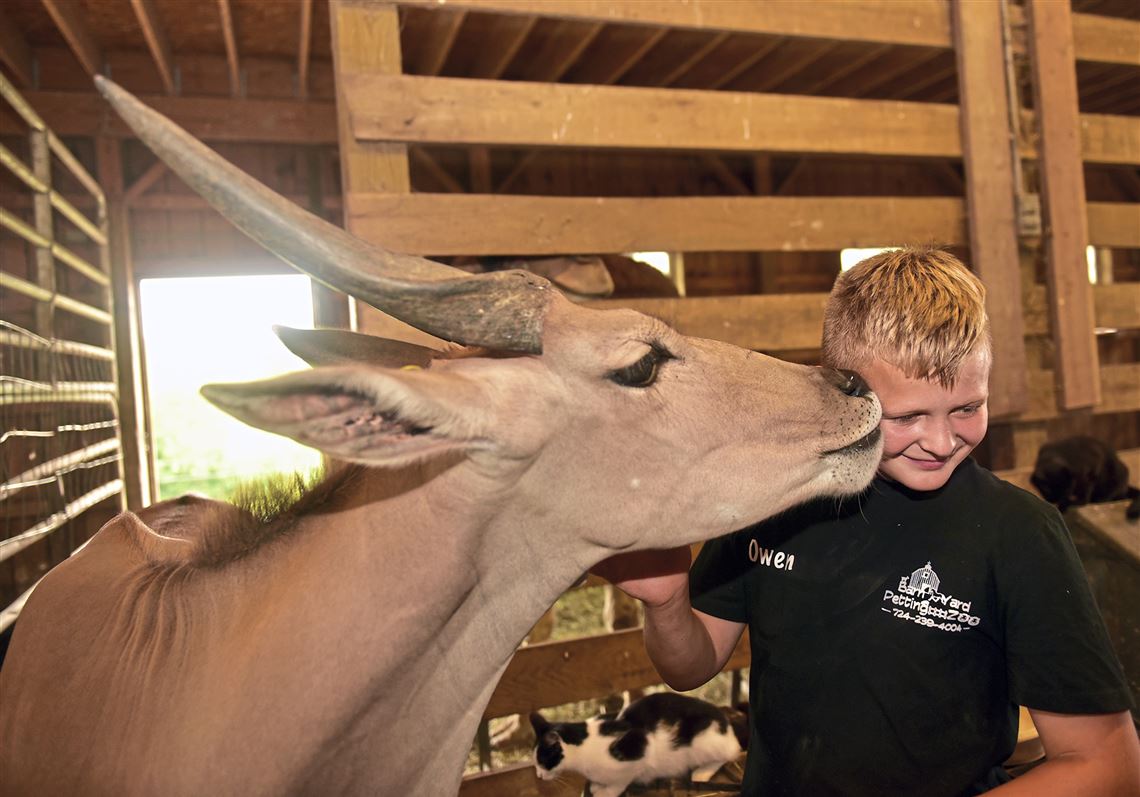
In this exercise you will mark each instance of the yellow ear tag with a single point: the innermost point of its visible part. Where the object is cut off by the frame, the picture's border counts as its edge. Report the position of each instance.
(410, 368)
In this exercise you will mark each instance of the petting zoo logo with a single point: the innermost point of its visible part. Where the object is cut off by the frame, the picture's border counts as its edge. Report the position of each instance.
(918, 600)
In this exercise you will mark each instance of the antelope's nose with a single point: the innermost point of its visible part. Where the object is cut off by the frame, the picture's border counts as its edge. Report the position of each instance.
(848, 381)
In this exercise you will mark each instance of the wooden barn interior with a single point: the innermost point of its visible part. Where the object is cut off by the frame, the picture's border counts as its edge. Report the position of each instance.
(752, 142)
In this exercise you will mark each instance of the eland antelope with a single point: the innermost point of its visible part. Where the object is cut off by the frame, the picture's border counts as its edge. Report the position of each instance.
(350, 645)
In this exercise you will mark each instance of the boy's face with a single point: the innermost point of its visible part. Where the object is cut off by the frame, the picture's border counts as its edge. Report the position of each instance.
(929, 429)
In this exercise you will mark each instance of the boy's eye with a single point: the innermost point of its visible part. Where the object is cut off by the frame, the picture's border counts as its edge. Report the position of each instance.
(970, 410)
(904, 418)
(642, 373)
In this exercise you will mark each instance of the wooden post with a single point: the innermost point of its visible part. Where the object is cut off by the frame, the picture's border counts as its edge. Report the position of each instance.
(366, 40)
(1063, 198)
(990, 192)
(133, 420)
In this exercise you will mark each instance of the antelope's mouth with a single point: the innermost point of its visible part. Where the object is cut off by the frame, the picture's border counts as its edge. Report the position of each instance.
(865, 442)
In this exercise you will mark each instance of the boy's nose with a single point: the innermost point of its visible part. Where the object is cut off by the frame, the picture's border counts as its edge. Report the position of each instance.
(939, 439)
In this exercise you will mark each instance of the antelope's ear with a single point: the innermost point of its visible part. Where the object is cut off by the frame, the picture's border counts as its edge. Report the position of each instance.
(341, 347)
(366, 415)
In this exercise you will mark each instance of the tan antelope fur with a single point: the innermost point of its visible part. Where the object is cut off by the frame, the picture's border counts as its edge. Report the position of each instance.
(350, 646)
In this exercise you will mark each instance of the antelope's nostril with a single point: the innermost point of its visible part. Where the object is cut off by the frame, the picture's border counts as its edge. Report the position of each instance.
(848, 381)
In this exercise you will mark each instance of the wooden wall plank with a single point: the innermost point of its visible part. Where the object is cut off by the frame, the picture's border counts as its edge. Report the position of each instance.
(1112, 40)
(1063, 203)
(519, 780)
(895, 22)
(919, 22)
(480, 224)
(1114, 224)
(1109, 139)
(73, 113)
(462, 111)
(1119, 386)
(990, 191)
(553, 673)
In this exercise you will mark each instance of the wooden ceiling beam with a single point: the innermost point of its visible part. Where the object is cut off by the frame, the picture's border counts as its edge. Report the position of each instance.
(304, 49)
(226, 13)
(156, 41)
(66, 16)
(15, 53)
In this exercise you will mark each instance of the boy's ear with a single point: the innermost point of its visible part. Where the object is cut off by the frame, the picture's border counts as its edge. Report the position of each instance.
(366, 415)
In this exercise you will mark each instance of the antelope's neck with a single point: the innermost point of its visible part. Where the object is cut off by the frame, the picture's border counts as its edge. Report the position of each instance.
(441, 578)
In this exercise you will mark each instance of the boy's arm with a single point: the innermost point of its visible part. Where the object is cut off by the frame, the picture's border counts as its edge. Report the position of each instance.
(687, 647)
(1086, 754)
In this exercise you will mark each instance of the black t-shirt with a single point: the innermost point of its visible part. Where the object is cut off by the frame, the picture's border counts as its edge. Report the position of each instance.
(894, 635)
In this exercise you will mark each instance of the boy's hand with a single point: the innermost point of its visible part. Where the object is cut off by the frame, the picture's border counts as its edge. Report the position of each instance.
(653, 577)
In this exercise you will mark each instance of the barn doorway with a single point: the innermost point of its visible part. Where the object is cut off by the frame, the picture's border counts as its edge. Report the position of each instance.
(217, 329)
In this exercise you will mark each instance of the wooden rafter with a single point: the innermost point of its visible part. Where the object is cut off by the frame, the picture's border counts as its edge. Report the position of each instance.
(422, 157)
(611, 66)
(698, 55)
(918, 86)
(725, 176)
(16, 53)
(66, 16)
(562, 62)
(145, 181)
(494, 61)
(743, 66)
(231, 46)
(790, 67)
(304, 48)
(438, 41)
(891, 66)
(156, 41)
(846, 68)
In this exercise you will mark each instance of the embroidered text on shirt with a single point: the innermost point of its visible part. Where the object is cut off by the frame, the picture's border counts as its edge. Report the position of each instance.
(919, 601)
(769, 557)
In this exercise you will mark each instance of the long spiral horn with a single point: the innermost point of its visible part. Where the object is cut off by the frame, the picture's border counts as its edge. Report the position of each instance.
(501, 310)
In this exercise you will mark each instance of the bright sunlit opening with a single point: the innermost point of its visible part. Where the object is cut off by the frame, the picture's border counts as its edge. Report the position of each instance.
(217, 329)
(1090, 259)
(850, 257)
(659, 260)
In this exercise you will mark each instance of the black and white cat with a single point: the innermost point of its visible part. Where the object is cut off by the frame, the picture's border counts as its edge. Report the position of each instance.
(662, 735)
(1083, 470)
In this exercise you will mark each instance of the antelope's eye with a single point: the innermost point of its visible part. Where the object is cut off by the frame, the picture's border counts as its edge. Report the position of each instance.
(642, 373)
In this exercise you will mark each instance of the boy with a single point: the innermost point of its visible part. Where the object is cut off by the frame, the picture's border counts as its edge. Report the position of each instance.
(891, 649)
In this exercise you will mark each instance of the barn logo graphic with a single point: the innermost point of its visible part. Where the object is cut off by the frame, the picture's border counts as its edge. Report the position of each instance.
(919, 599)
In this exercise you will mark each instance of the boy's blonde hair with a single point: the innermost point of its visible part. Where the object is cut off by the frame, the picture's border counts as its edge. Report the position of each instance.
(919, 309)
